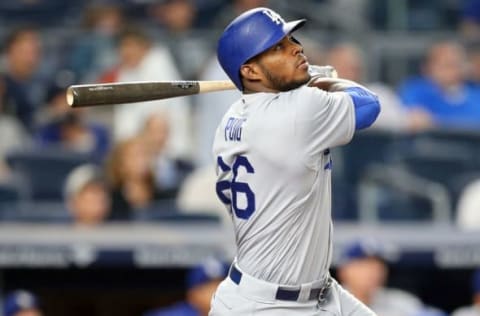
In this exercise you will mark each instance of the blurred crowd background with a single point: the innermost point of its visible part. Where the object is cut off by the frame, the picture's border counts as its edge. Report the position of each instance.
(144, 162)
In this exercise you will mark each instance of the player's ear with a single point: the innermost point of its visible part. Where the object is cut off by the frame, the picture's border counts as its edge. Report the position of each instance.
(250, 71)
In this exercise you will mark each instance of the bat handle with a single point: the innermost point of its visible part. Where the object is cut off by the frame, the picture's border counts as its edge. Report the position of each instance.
(219, 85)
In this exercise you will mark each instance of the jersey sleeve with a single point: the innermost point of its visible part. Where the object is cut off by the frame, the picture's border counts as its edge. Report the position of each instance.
(322, 120)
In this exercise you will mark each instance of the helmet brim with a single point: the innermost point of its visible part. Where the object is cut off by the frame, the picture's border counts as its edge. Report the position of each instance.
(292, 26)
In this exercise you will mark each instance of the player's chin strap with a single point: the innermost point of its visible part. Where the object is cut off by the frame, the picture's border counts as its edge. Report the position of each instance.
(321, 72)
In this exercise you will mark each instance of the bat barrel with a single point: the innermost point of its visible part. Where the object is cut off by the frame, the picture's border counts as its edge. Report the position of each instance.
(117, 93)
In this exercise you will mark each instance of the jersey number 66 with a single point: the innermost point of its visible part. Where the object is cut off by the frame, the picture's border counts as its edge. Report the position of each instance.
(236, 187)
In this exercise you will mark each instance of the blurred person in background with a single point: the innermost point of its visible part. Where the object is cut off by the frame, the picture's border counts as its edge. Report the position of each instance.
(143, 60)
(473, 68)
(474, 308)
(340, 17)
(363, 271)
(55, 104)
(14, 137)
(234, 8)
(176, 21)
(469, 26)
(349, 61)
(21, 303)
(173, 16)
(23, 87)
(442, 89)
(169, 172)
(86, 196)
(208, 112)
(94, 50)
(131, 179)
(197, 194)
(70, 129)
(201, 282)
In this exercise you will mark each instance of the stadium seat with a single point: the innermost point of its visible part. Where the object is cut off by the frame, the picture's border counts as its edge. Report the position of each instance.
(37, 212)
(173, 216)
(43, 172)
(392, 193)
(9, 199)
(445, 157)
(351, 162)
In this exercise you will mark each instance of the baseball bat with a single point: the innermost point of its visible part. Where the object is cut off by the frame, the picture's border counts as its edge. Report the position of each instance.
(129, 92)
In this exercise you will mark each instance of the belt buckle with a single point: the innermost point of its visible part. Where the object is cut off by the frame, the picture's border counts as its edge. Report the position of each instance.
(322, 296)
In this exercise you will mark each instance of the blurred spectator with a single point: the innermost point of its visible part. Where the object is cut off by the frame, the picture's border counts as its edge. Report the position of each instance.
(474, 308)
(21, 303)
(473, 55)
(131, 179)
(168, 172)
(177, 19)
(209, 110)
(13, 134)
(94, 50)
(340, 16)
(23, 92)
(470, 19)
(175, 16)
(68, 128)
(141, 60)
(86, 196)
(349, 62)
(313, 49)
(197, 194)
(442, 90)
(363, 271)
(55, 99)
(201, 283)
(235, 8)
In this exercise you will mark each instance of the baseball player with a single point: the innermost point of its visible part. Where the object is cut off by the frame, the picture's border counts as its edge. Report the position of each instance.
(272, 151)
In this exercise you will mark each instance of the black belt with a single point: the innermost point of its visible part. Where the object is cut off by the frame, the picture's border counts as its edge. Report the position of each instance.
(283, 293)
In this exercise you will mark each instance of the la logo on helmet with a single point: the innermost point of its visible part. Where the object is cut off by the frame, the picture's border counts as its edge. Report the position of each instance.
(275, 17)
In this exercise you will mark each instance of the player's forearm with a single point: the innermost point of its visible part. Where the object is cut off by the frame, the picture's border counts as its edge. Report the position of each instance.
(367, 106)
(335, 84)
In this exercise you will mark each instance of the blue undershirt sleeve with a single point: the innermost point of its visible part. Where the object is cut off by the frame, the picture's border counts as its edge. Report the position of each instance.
(366, 106)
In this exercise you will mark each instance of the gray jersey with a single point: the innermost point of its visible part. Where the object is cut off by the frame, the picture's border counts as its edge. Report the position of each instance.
(274, 174)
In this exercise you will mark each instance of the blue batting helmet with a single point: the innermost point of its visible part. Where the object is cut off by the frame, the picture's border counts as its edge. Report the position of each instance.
(250, 34)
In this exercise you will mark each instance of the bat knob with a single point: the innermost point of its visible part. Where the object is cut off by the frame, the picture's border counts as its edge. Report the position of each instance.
(70, 96)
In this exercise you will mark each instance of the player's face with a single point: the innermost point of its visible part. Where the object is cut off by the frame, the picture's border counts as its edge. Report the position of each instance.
(284, 66)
